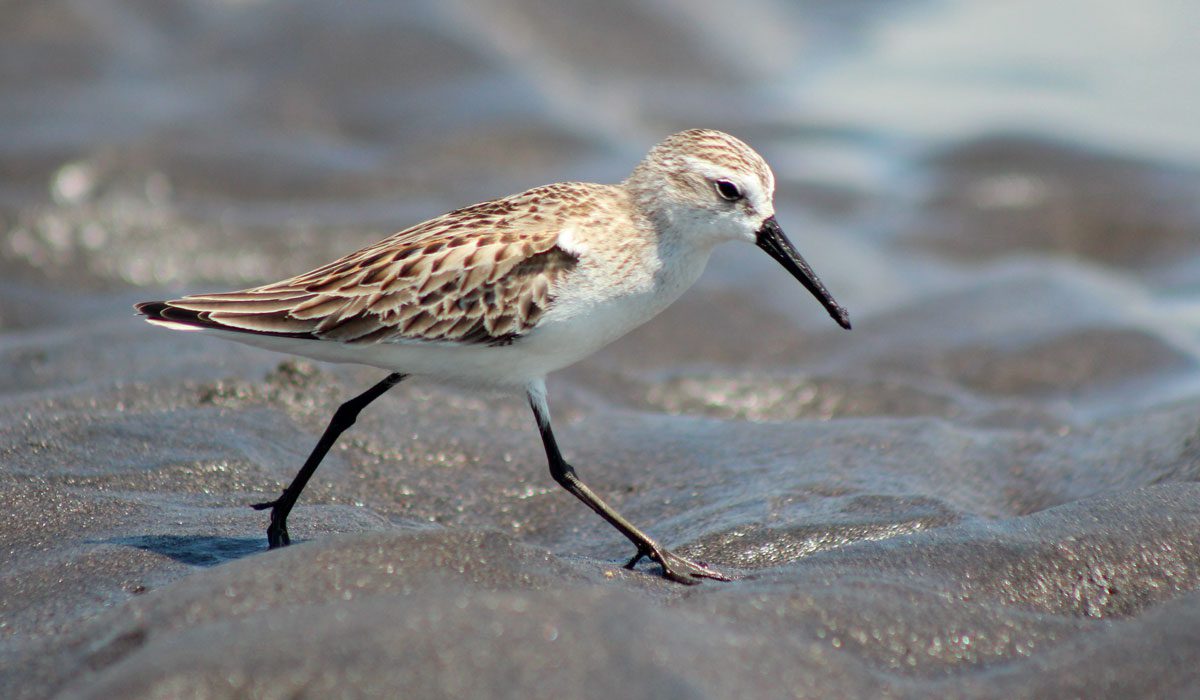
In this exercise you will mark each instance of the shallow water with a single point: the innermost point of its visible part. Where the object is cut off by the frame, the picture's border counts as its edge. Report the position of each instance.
(986, 489)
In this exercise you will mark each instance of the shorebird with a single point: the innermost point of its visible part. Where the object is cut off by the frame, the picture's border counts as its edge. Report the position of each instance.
(504, 292)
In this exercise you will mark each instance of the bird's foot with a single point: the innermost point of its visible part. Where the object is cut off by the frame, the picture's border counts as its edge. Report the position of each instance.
(277, 534)
(676, 568)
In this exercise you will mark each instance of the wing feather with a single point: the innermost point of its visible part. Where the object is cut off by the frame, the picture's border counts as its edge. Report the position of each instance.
(484, 274)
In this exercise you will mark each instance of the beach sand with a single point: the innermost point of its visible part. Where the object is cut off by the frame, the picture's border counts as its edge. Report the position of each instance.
(987, 489)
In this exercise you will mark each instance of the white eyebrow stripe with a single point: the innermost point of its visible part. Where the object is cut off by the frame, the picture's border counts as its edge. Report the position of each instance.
(760, 199)
(712, 172)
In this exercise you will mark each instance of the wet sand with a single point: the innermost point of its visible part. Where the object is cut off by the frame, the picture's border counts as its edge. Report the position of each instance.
(987, 489)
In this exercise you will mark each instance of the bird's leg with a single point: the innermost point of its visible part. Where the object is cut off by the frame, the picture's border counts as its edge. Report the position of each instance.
(675, 567)
(344, 417)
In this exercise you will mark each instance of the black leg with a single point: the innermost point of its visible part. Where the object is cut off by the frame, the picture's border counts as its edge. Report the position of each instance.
(344, 417)
(675, 567)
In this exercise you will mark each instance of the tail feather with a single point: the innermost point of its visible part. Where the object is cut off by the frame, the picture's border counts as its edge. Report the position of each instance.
(166, 314)
(161, 312)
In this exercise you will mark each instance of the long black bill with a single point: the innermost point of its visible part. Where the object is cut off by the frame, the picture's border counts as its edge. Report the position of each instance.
(771, 239)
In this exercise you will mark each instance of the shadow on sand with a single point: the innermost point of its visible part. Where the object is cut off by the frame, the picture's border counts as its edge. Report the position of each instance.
(196, 550)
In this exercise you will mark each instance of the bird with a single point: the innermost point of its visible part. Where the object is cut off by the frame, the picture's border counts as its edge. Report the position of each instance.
(501, 293)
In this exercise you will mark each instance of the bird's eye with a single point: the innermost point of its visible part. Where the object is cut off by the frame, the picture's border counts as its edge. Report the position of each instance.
(728, 190)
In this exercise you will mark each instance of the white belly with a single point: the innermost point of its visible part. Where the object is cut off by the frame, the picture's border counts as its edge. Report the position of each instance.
(586, 317)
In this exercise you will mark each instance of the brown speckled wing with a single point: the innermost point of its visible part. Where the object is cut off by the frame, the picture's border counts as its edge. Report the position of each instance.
(484, 274)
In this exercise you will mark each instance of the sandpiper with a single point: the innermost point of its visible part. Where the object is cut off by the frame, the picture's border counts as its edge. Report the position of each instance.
(503, 292)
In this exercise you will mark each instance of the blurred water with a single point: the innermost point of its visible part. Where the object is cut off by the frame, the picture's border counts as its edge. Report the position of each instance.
(1112, 75)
